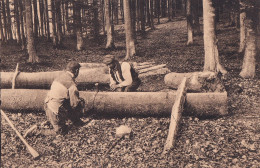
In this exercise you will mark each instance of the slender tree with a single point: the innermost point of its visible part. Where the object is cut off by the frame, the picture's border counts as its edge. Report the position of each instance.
(109, 25)
(29, 30)
(95, 20)
(130, 42)
(36, 19)
(53, 19)
(249, 64)
(46, 9)
(9, 22)
(78, 25)
(21, 10)
(41, 17)
(5, 22)
(16, 12)
(59, 22)
(151, 14)
(189, 22)
(1, 26)
(212, 62)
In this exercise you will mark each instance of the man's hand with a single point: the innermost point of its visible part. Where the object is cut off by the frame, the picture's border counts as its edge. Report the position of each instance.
(114, 86)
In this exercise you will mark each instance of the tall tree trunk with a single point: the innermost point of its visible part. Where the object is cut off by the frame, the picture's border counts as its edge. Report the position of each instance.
(95, 20)
(1, 26)
(9, 25)
(152, 16)
(41, 17)
(133, 17)
(5, 21)
(163, 7)
(17, 18)
(115, 10)
(103, 15)
(47, 19)
(170, 13)
(183, 3)
(66, 17)
(109, 26)
(53, 19)
(78, 25)
(22, 21)
(59, 22)
(36, 19)
(242, 28)
(249, 64)
(211, 62)
(148, 12)
(158, 10)
(130, 43)
(138, 15)
(189, 22)
(29, 29)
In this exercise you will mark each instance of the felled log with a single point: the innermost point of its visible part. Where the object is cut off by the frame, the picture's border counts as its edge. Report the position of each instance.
(43, 80)
(176, 114)
(196, 81)
(125, 103)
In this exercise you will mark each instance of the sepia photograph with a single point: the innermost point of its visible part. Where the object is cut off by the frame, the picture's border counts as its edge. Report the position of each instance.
(130, 83)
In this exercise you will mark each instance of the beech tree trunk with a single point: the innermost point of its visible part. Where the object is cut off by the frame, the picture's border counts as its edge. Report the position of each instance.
(78, 25)
(41, 6)
(1, 26)
(123, 103)
(151, 14)
(189, 22)
(212, 62)
(249, 62)
(109, 25)
(29, 29)
(130, 43)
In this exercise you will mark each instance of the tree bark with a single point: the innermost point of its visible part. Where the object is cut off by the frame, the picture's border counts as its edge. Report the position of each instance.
(130, 43)
(109, 26)
(212, 62)
(29, 29)
(41, 6)
(249, 62)
(189, 22)
(152, 16)
(1, 27)
(123, 103)
(170, 11)
(195, 17)
(142, 17)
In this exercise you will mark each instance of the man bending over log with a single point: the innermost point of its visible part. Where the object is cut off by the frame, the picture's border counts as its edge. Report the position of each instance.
(63, 101)
(123, 77)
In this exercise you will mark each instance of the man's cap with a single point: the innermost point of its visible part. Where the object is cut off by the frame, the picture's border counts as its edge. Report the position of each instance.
(72, 66)
(108, 59)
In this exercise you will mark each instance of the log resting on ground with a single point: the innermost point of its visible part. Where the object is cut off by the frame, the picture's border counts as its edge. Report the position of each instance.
(124, 103)
(196, 81)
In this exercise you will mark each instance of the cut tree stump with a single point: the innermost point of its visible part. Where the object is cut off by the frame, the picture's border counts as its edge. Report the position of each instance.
(90, 74)
(196, 81)
(122, 103)
(176, 114)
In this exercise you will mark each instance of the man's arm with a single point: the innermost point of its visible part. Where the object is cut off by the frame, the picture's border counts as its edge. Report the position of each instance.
(126, 72)
(112, 81)
(74, 96)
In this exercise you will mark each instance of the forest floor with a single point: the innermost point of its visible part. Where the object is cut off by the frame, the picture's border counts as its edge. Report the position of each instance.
(228, 141)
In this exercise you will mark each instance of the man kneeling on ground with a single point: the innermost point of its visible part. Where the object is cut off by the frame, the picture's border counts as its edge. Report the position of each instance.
(123, 77)
(63, 101)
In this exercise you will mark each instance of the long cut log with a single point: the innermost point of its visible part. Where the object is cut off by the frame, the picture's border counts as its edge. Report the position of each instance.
(124, 103)
(176, 114)
(43, 80)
